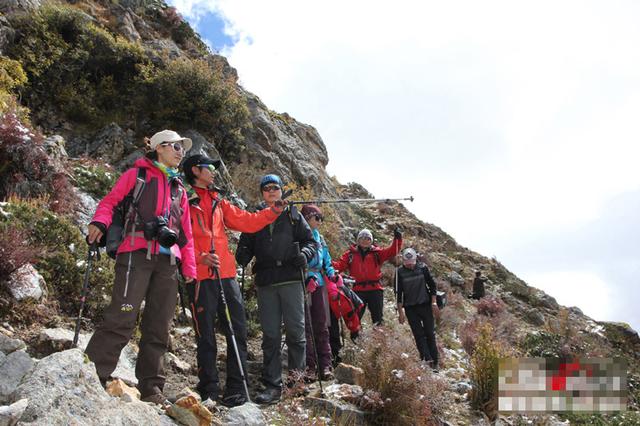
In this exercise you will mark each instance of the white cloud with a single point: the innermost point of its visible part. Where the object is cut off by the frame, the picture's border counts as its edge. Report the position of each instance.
(504, 119)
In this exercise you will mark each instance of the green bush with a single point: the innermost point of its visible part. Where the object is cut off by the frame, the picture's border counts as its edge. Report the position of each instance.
(87, 73)
(62, 261)
(191, 94)
(95, 179)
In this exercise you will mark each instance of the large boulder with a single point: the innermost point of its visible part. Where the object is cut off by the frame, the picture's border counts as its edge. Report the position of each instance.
(26, 283)
(13, 369)
(64, 388)
(9, 6)
(52, 340)
(111, 144)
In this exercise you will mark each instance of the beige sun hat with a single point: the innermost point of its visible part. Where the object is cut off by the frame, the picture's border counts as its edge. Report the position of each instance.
(169, 136)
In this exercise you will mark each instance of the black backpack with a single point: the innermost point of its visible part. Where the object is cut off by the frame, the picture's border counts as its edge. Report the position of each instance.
(123, 213)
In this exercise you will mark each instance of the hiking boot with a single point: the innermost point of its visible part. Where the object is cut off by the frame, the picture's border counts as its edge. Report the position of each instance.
(327, 374)
(158, 399)
(309, 377)
(233, 400)
(270, 395)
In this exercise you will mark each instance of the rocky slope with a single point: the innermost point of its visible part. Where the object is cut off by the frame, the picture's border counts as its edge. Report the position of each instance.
(86, 129)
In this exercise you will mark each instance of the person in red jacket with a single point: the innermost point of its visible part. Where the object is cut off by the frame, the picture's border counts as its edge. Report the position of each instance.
(363, 261)
(210, 216)
(157, 234)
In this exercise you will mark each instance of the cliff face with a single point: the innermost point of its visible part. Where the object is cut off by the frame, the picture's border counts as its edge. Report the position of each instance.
(89, 126)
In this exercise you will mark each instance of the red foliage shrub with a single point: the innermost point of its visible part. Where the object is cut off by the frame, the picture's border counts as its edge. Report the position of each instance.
(172, 16)
(490, 306)
(15, 250)
(27, 170)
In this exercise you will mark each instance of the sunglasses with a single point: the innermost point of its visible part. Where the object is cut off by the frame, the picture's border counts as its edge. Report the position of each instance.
(177, 146)
(318, 217)
(209, 167)
(270, 188)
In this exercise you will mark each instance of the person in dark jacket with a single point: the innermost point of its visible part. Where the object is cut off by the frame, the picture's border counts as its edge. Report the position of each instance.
(416, 297)
(478, 286)
(278, 277)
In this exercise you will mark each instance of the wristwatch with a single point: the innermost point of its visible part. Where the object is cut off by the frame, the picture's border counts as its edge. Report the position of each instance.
(434, 304)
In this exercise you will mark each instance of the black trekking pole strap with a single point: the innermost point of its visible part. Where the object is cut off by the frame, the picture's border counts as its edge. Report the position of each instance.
(351, 200)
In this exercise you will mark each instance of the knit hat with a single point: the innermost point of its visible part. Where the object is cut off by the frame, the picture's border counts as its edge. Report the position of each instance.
(267, 179)
(365, 233)
(310, 210)
(409, 255)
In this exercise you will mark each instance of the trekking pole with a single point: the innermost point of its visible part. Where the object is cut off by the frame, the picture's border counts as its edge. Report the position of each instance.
(231, 331)
(351, 200)
(93, 252)
(307, 310)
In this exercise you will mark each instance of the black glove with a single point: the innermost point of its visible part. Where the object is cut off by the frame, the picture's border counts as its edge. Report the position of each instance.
(397, 234)
(299, 260)
(243, 256)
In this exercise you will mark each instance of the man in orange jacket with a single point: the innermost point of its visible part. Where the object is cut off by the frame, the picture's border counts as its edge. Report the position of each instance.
(210, 215)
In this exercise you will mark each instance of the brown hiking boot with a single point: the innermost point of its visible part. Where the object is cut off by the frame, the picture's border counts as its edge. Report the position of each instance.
(158, 399)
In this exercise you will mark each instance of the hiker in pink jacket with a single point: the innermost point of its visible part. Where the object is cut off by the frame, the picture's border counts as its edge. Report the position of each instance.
(157, 236)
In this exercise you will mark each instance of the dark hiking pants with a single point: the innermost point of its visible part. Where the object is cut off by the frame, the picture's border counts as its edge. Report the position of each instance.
(335, 338)
(373, 299)
(278, 303)
(318, 315)
(205, 306)
(153, 281)
(422, 326)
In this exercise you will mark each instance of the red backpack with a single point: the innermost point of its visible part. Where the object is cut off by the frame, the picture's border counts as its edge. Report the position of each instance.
(344, 303)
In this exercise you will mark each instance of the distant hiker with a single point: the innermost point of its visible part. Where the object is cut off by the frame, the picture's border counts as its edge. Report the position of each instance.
(363, 261)
(319, 266)
(278, 285)
(478, 286)
(417, 295)
(210, 217)
(157, 232)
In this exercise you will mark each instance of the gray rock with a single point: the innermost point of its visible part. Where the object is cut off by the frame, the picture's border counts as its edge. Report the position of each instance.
(10, 414)
(342, 412)
(85, 209)
(248, 414)
(127, 27)
(462, 387)
(26, 283)
(55, 147)
(548, 302)
(64, 389)
(535, 317)
(53, 340)
(2, 357)
(159, 49)
(8, 345)
(176, 363)
(9, 6)
(15, 366)
(455, 279)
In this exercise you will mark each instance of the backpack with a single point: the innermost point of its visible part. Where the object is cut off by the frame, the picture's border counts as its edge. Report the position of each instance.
(122, 213)
(345, 304)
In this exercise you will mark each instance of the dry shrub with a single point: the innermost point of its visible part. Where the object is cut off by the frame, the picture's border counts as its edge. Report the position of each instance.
(490, 306)
(410, 393)
(503, 330)
(484, 372)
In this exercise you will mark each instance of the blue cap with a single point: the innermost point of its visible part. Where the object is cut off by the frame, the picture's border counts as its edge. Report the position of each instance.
(267, 179)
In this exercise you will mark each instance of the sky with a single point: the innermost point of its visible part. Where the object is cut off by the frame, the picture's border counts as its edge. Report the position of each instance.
(515, 125)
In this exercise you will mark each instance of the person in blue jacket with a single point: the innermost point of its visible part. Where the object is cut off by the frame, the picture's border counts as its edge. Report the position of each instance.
(318, 267)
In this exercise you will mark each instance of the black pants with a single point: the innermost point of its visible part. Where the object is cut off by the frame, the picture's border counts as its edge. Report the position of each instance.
(374, 300)
(205, 305)
(335, 339)
(421, 321)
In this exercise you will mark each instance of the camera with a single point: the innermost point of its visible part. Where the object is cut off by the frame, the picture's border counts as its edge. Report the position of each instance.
(158, 229)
